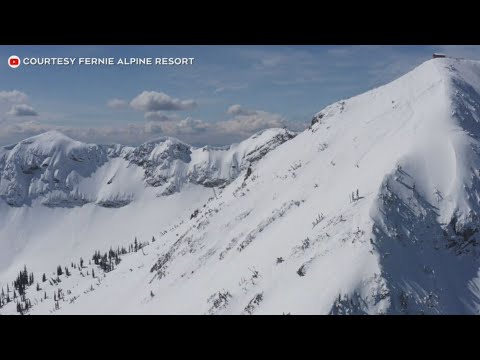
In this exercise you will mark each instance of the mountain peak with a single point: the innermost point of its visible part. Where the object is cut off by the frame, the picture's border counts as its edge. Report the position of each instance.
(162, 139)
(51, 135)
(435, 69)
(52, 140)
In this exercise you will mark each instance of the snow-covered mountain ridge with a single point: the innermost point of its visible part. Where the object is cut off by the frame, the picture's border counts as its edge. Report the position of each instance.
(374, 209)
(55, 169)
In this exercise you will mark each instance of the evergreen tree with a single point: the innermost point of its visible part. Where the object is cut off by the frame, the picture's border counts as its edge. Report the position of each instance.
(81, 263)
(104, 263)
(59, 270)
(153, 239)
(67, 272)
(38, 287)
(45, 296)
(44, 277)
(96, 257)
(93, 273)
(136, 244)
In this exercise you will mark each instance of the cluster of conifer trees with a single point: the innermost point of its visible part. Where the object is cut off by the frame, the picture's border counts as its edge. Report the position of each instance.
(17, 292)
(105, 262)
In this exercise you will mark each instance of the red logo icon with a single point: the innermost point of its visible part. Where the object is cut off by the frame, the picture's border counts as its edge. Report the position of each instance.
(14, 61)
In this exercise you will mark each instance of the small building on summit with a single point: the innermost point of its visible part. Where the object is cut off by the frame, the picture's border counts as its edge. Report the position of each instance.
(437, 55)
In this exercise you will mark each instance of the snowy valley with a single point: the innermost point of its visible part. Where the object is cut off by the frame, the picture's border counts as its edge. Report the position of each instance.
(372, 210)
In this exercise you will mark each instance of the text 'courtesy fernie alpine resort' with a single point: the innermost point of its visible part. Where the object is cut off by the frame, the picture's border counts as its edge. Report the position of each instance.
(15, 61)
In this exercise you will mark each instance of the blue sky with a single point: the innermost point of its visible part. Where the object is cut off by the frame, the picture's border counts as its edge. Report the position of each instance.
(228, 93)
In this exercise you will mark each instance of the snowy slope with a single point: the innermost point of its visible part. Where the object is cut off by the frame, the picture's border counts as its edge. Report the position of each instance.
(374, 209)
(60, 198)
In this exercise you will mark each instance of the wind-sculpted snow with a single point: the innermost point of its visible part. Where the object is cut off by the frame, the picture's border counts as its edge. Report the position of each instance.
(428, 265)
(161, 160)
(169, 164)
(54, 168)
(46, 164)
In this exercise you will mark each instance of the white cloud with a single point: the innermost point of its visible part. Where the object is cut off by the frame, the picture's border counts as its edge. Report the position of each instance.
(11, 132)
(117, 104)
(153, 127)
(243, 122)
(193, 131)
(13, 96)
(247, 121)
(159, 116)
(22, 110)
(246, 124)
(239, 110)
(149, 101)
(188, 126)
